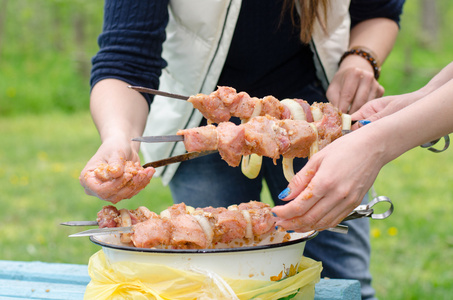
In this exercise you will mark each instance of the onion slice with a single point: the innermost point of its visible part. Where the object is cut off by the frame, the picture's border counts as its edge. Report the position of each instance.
(126, 221)
(248, 229)
(288, 168)
(317, 113)
(297, 111)
(251, 165)
(346, 121)
(206, 226)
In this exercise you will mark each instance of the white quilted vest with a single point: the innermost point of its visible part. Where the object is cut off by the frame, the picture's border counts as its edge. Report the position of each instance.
(198, 38)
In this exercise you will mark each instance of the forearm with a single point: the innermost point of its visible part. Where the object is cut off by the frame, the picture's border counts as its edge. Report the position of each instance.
(445, 75)
(421, 122)
(118, 112)
(377, 35)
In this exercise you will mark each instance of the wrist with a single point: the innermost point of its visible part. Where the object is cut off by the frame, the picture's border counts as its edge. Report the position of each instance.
(366, 55)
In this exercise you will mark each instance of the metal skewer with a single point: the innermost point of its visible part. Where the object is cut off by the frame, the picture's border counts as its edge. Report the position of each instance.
(156, 92)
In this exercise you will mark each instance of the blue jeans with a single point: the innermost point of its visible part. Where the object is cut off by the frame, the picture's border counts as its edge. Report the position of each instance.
(209, 181)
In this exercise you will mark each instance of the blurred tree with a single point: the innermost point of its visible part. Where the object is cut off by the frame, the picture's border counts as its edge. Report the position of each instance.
(3, 13)
(430, 17)
(80, 39)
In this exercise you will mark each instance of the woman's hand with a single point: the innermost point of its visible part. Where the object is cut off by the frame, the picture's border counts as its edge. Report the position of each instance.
(381, 107)
(331, 185)
(353, 85)
(114, 173)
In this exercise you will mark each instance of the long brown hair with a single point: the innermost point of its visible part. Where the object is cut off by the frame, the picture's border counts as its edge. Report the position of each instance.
(309, 12)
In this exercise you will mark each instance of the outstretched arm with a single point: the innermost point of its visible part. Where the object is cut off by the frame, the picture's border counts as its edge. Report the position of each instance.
(382, 107)
(114, 172)
(335, 179)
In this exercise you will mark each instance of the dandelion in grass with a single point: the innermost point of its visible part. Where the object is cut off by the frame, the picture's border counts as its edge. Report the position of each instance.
(24, 180)
(392, 231)
(42, 156)
(14, 179)
(375, 232)
(57, 167)
(11, 92)
(19, 180)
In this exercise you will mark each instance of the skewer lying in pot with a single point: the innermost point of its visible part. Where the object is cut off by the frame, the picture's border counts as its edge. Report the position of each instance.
(185, 227)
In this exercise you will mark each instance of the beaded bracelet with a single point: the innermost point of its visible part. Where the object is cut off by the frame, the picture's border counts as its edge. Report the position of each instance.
(368, 56)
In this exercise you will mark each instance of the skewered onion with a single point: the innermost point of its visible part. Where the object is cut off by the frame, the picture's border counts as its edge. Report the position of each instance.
(251, 164)
(206, 226)
(346, 120)
(297, 113)
(248, 229)
(247, 217)
(126, 221)
(317, 113)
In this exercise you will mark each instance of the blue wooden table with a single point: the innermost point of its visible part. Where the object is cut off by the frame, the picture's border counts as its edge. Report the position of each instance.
(40, 280)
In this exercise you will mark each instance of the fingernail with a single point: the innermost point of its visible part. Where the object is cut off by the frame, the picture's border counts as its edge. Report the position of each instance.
(364, 122)
(290, 231)
(284, 193)
(274, 214)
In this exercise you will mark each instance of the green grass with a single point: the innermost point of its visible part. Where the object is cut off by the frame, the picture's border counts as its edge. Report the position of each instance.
(40, 161)
(412, 250)
(42, 156)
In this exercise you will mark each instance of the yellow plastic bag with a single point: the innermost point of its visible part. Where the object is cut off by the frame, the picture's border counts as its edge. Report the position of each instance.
(130, 280)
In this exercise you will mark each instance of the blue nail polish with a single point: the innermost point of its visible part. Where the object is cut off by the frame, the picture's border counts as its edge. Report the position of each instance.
(364, 122)
(274, 214)
(290, 231)
(284, 193)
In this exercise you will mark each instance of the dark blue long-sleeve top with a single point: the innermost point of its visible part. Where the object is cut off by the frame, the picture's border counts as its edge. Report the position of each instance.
(266, 56)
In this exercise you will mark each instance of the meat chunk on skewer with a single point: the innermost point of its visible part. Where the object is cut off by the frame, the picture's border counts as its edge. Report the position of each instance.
(108, 216)
(261, 217)
(201, 138)
(300, 138)
(227, 224)
(329, 127)
(153, 232)
(231, 142)
(187, 233)
(265, 137)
